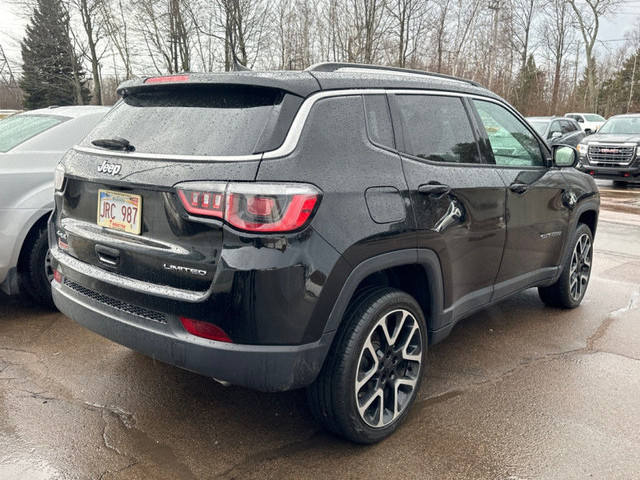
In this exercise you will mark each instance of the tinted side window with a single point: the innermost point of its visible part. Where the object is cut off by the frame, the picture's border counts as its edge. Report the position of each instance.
(512, 143)
(555, 127)
(437, 129)
(379, 126)
(567, 126)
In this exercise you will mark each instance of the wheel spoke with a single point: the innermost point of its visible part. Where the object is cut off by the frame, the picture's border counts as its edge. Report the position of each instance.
(368, 346)
(397, 408)
(377, 394)
(404, 352)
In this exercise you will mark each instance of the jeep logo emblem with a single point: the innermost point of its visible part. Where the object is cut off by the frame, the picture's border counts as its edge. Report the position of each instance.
(110, 168)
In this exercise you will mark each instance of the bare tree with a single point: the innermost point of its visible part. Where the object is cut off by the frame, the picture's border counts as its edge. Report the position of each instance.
(93, 25)
(408, 18)
(558, 35)
(166, 33)
(523, 15)
(115, 17)
(588, 16)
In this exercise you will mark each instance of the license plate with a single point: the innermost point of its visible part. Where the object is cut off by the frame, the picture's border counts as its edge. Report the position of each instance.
(120, 211)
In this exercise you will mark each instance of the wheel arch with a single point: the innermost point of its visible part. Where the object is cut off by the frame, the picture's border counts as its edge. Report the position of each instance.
(589, 216)
(393, 269)
(28, 237)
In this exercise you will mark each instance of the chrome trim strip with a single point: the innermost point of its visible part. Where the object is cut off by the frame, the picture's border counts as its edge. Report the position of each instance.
(293, 136)
(164, 156)
(613, 144)
(126, 282)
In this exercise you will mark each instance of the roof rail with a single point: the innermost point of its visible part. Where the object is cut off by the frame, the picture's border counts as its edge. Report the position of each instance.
(335, 66)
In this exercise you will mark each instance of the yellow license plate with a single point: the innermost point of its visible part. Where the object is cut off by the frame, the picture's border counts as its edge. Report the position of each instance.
(120, 211)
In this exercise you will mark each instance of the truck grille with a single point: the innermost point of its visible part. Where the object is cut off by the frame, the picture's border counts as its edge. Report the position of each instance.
(611, 154)
(117, 304)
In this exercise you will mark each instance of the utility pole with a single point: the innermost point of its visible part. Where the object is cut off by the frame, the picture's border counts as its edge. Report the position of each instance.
(494, 5)
(633, 79)
(6, 75)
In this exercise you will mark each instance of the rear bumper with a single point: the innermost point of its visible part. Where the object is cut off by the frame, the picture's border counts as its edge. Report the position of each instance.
(261, 367)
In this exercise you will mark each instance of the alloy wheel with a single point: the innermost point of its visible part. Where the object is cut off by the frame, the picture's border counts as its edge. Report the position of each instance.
(580, 269)
(388, 368)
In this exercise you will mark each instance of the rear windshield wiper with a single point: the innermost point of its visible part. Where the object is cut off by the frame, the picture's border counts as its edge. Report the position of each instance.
(115, 143)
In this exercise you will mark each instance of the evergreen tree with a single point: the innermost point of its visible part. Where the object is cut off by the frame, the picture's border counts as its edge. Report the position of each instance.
(528, 89)
(621, 92)
(51, 71)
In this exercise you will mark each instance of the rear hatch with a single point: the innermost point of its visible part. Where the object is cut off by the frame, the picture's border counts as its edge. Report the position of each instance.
(120, 210)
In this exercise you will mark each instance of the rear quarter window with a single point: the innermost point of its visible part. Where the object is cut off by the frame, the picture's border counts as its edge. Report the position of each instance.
(201, 121)
(379, 126)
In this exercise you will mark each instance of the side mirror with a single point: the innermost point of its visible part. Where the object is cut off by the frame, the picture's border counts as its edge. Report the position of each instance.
(564, 156)
(555, 135)
(580, 120)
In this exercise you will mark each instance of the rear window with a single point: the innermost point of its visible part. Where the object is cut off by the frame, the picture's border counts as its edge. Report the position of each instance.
(20, 128)
(594, 118)
(216, 121)
(539, 125)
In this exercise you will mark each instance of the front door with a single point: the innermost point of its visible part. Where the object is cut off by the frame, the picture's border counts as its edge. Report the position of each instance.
(537, 205)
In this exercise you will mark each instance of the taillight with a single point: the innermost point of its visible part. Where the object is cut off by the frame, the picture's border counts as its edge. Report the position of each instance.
(252, 207)
(57, 276)
(204, 329)
(167, 79)
(204, 199)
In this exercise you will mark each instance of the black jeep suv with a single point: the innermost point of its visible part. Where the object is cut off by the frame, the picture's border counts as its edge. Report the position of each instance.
(313, 229)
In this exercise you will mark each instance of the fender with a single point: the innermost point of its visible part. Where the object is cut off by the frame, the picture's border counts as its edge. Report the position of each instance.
(424, 257)
(589, 205)
(584, 207)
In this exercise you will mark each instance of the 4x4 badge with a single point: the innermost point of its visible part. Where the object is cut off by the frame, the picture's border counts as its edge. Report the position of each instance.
(110, 168)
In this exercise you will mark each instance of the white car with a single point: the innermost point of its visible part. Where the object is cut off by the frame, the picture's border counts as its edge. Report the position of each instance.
(31, 145)
(590, 122)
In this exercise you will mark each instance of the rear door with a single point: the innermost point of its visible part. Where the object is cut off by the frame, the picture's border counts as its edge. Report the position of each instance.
(572, 134)
(537, 204)
(458, 201)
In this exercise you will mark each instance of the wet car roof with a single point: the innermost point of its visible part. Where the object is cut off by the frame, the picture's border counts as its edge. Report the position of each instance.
(305, 83)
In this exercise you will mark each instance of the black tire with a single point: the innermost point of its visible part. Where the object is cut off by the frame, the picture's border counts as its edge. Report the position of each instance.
(35, 273)
(571, 287)
(392, 379)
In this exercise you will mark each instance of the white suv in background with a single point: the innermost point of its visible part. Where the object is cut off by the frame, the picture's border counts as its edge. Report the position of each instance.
(31, 145)
(590, 122)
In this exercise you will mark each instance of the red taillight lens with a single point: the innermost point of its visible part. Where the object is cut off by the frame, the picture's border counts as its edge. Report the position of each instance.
(206, 200)
(57, 276)
(204, 330)
(260, 206)
(253, 207)
(167, 79)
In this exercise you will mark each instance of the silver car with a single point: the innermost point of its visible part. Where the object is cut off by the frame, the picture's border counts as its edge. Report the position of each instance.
(31, 144)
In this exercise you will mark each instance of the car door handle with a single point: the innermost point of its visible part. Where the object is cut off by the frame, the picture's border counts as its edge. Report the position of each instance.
(434, 189)
(519, 187)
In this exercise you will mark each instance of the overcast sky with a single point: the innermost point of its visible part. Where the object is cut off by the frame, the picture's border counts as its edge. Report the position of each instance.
(611, 34)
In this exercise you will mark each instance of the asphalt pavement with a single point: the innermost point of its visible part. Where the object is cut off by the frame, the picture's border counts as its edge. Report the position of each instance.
(518, 391)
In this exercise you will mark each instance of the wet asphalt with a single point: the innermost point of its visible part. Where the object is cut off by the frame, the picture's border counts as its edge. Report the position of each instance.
(518, 391)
